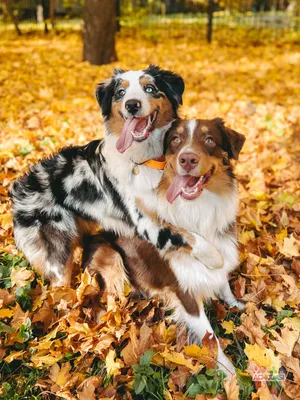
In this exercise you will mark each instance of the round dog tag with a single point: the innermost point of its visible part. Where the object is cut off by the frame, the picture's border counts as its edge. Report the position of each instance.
(135, 170)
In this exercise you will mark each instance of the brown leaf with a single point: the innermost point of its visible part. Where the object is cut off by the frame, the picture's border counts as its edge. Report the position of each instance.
(86, 390)
(21, 276)
(232, 388)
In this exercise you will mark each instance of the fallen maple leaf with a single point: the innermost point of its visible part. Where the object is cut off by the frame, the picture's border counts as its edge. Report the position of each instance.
(263, 357)
(290, 246)
(178, 358)
(286, 342)
(60, 375)
(112, 366)
(232, 388)
(86, 390)
(21, 276)
(228, 326)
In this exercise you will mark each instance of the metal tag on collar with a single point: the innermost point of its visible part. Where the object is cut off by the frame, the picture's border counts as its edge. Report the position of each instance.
(135, 170)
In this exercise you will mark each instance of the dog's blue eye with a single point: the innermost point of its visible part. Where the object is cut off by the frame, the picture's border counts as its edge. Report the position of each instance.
(149, 89)
(121, 92)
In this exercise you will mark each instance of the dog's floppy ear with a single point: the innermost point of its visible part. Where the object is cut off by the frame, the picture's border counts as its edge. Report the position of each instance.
(168, 82)
(104, 94)
(232, 140)
(105, 91)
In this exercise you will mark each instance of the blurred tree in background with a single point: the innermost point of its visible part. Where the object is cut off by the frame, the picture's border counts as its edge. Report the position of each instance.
(99, 30)
(100, 20)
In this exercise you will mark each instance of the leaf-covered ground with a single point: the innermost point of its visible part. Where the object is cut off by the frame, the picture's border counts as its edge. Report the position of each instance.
(59, 343)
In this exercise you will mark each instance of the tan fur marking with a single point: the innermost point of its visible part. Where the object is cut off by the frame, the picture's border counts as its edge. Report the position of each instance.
(144, 81)
(180, 129)
(204, 129)
(151, 214)
(116, 122)
(108, 263)
(86, 227)
(125, 84)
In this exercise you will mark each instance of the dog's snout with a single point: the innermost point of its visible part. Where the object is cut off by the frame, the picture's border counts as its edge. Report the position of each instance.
(188, 161)
(133, 106)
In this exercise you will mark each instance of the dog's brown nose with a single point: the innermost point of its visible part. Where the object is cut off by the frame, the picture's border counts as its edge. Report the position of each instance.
(188, 161)
(133, 106)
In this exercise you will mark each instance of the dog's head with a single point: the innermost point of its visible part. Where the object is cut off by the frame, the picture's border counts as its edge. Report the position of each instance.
(198, 154)
(136, 104)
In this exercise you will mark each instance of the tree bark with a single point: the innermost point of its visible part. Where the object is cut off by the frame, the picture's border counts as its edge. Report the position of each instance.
(210, 12)
(99, 31)
(52, 12)
(9, 10)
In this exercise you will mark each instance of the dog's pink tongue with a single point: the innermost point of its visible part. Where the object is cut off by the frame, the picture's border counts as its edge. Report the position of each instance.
(175, 189)
(126, 138)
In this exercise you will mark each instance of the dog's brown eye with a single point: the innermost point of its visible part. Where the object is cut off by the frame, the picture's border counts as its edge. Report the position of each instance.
(176, 139)
(210, 140)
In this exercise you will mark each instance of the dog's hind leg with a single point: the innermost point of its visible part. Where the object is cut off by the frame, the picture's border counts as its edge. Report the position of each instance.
(226, 294)
(198, 325)
(49, 249)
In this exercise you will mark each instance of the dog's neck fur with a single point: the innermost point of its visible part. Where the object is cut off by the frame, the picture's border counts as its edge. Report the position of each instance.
(120, 166)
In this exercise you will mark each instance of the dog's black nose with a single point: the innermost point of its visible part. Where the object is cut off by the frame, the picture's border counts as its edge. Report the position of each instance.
(133, 106)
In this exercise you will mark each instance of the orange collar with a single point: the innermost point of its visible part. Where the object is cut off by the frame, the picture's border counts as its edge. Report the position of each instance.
(158, 163)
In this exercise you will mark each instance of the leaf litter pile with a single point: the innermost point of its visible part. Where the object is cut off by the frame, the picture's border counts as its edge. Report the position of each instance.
(81, 343)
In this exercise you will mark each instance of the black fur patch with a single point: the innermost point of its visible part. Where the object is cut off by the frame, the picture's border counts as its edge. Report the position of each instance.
(165, 235)
(104, 94)
(86, 192)
(51, 236)
(33, 184)
(25, 220)
(169, 83)
(117, 200)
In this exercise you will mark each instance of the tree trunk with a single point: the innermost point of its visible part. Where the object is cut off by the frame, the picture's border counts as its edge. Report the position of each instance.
(210, 12)
(9, 10)
(52, 13)
(99, 31)
(118, 14)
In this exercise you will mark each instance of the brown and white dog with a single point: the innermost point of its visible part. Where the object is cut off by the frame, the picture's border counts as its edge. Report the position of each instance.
(71, 194)
(198, 192)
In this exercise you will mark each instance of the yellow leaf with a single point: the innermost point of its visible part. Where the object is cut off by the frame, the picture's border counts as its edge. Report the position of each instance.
(178, 358)
(263, 393)
(228, 326)
(6, 313)
(262, 357)
(278, 304)
(21, 276)
(292, 323)
(60, 375)
(290, 247)
(246, 236)
(112, 366)
(43, 360)
(6, 221)
(14, 355)
(232, 389)
(195, 351)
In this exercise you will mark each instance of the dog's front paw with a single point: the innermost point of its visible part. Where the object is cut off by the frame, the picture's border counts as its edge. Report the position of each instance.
(239, 304)
(211, 257)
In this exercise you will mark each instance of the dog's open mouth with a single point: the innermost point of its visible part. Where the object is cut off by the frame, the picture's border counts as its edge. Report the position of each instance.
(189, 187)
(135, 129)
